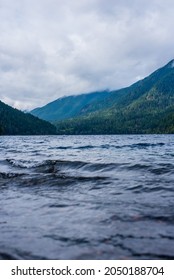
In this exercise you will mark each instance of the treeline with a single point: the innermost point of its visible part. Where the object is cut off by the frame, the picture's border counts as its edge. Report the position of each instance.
(119, 124)
(15, 122)
(145, 107)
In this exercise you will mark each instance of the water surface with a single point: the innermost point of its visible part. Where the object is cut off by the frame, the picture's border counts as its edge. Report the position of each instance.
(87, 197)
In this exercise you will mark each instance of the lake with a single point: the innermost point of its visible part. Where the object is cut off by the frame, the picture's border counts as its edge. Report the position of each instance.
(87, 197)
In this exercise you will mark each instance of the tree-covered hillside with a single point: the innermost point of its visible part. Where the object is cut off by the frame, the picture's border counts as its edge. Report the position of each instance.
(68, 106)
(15, 122)
(145, 107)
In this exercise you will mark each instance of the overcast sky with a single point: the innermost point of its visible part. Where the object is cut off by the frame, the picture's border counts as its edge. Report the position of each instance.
(52, 48)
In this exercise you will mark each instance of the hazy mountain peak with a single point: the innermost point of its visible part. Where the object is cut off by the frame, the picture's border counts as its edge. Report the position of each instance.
(145, 107)
(171, 64)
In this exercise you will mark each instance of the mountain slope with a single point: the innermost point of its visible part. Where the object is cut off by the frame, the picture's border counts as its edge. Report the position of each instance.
(145, 107)
(125, 96)
(67, 107)
(15, 122)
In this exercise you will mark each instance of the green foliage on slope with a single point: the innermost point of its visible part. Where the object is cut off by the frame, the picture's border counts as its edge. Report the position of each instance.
(67, 107)
(120, 122)
(145, 107)
(15, 122)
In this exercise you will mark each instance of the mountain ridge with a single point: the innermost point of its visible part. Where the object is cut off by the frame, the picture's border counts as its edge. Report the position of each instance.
(100, 100)
(16, 122)
(147, 106)
(68, 106)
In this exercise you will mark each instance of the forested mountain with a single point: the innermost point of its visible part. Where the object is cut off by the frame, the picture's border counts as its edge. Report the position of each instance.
(15, 122)
(145, 107)
(68, 106)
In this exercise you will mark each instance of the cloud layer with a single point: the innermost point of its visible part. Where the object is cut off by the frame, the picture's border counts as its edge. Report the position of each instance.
(51, 48)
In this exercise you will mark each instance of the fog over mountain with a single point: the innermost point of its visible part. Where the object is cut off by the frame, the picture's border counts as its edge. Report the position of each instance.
(147, 106)
(52, 48)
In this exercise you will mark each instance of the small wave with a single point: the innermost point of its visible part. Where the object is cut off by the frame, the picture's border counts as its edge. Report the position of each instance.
(106, 146)
(132, 146)
(151, 189)
(168, 219)
(70, 241)
(146, 145)
(160, 219)
(59, 205)
(86, 147)
(50, 166)
(4, 175)
(139, 146)
(159, 169)
(74, 148)
(22, 163)
(63, 147)
(138, 166)
(109, 146)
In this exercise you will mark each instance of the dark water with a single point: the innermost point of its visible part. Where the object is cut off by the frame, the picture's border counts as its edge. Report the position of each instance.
(87, 197)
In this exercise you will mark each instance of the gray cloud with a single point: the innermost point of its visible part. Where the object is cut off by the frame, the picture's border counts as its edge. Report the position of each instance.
(51, 48)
